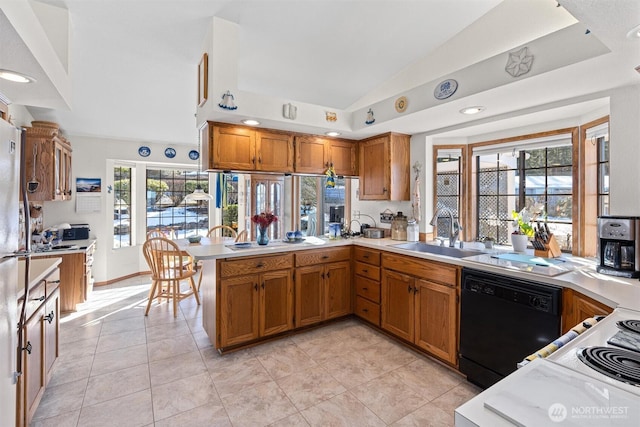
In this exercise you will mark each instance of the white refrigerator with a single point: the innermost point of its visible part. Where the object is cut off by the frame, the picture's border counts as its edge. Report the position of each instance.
(9, 240)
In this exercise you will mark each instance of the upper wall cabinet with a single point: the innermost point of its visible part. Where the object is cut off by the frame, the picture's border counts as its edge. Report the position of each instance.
(229, 147)
(315, 154)
(48, 163)
(384, 167)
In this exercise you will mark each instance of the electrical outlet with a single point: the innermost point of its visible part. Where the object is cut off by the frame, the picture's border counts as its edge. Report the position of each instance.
(356, 214)
(386, 217)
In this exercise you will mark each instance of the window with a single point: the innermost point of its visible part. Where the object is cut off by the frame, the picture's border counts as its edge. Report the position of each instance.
(167, 208)
(121, 206)
(602, 142)
(536, 174)
(321, 205)
(448, 181)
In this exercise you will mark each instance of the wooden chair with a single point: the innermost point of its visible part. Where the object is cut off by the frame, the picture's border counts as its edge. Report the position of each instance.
(168, 269)
(242, 236)
(222, 228)
(159, 233)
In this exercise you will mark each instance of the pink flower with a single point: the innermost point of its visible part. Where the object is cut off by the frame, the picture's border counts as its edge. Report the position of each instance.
(264, 219)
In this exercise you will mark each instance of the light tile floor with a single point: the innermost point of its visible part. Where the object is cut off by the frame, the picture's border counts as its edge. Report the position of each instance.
(120, 368)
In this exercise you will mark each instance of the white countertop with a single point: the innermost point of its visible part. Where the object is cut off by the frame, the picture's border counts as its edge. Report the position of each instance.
(40, 268)
(77, 246)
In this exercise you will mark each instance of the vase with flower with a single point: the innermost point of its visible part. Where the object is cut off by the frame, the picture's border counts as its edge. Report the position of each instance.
(263, 220)
(523, 230)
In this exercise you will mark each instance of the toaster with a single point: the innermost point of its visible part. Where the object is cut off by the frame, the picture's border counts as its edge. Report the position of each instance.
(76, 232)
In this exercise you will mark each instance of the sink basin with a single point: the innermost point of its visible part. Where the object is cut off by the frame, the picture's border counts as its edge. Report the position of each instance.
(437, 250)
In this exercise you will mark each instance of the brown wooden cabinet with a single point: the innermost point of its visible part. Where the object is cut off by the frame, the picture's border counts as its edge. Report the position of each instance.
(315, 154)
(40, 336)
(384, 167)
(255, 298)
(419, 304)
(52, 168)
(76, 281)
(322, 285)
(230, 147)
(577, 307)
(367, 284)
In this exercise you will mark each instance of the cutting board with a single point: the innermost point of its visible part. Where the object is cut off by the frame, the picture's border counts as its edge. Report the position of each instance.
(530, 259)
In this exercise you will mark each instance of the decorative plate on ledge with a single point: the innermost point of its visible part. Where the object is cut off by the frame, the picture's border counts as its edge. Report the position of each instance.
(144, 151)
(194, 155)
(170, 152)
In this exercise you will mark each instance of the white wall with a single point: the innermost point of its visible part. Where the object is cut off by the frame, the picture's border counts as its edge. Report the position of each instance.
(91, 159)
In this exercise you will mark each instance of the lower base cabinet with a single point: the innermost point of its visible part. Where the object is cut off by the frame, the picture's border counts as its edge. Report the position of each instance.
(423, 312)
(40, 349)
(576, 307)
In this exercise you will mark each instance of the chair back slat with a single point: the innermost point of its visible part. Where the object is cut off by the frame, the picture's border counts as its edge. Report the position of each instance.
(224, 229)
(165, 259)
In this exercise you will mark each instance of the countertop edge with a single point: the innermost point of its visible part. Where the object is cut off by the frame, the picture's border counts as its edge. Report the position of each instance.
(40, 268)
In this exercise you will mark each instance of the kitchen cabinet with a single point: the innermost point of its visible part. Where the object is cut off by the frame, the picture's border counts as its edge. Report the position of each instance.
(576, 307)
(384, 167)
(48, 162)
(419, 303)
(367, 284)
(322, 285)
(229, 147)
(40, 336)
(255, 298)
(315, 154)
(76, 279)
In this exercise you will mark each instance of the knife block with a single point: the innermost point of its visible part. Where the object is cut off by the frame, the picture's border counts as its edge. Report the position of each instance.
(551, 249)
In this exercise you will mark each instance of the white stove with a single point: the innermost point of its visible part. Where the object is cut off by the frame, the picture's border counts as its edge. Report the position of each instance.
(615, 344)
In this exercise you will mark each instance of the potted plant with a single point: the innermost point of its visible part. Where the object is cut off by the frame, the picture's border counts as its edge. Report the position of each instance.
(523, 230)
(263, 221)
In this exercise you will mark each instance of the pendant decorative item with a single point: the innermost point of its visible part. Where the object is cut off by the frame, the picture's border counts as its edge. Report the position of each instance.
(263, 236)
(227, 102)
(331, 177)
(370, 118)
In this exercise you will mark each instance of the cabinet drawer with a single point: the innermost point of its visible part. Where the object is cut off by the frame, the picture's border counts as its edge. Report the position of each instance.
(368, 288)
(36, 298)
(52, 282)
(434, 271)
(368, 310)
(369, 256)
(229, 268)
(314, 257)
(366, 270)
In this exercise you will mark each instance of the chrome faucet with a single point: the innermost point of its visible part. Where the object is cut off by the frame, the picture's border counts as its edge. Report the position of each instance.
(454, 230)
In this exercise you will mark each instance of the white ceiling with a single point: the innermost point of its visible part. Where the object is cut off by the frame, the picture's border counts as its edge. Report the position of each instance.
(133, 63)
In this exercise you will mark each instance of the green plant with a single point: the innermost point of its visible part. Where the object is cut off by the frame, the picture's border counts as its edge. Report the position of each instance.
(522, 220)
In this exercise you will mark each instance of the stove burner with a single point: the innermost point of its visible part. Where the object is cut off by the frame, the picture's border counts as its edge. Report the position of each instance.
(632, 325)
(622, 365)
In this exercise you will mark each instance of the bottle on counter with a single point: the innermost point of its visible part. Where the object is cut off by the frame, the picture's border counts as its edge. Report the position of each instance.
(413, 231)
(399, 227)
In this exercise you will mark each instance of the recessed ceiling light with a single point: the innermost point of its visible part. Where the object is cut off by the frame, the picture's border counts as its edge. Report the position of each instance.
(472, 110)
(14, 76)
(251, 122)
(332, 133)
(634, 33)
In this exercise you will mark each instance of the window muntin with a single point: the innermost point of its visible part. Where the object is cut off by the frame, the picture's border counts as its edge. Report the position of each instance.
(448, 191)
(122, 206)
(168, 210)
(603, 174)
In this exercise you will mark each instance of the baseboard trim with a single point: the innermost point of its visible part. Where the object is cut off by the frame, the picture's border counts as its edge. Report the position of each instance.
(118, 279)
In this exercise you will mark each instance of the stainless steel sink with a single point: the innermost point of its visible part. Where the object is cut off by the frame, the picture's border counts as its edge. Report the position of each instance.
(437, 250)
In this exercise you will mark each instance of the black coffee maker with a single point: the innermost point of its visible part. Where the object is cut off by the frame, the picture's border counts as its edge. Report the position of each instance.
(619, 246)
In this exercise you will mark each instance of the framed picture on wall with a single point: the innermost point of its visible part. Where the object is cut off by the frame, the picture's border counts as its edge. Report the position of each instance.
(203, 77)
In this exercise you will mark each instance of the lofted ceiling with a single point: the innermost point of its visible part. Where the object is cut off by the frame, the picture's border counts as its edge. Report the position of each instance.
(132, 64)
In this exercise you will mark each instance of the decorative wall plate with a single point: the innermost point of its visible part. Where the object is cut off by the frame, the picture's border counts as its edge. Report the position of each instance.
(144, 151)
(401, 104)
(445, 89)
(170, 152)
(194, 155)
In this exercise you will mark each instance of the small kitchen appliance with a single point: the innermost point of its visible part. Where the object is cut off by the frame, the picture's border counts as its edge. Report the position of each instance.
(619, 246)
(76, 232)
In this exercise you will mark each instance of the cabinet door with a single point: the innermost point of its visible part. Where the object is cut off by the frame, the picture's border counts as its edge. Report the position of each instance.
(398, 304)
(343, 157)
(58, 171)
(233, 148)
(577, 307)
(309, 295)
(51, 332)
(275, 152)
(276, 305)
(66, 174)
(375, 169)
(436, 320)
(311, 154)
(337, 298)
(239, 308)
(33, 362)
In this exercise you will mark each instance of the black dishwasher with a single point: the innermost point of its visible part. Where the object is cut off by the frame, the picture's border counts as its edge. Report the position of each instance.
(502, 321)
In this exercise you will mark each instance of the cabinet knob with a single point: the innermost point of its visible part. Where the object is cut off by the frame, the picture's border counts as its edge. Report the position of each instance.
(49, 317)
(365, 289)
(365, 270)
(384, 189)
(38, 299)
(28, 347)
(255, 286)
(365, 310)
(410, 289)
